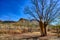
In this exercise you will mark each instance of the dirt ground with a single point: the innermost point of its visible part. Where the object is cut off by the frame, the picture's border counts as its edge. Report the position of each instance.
(50, 36)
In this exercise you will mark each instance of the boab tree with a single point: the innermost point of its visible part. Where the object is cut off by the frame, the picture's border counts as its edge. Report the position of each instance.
(44, 11)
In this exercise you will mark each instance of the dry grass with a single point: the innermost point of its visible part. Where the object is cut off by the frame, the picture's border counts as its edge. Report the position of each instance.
(51, 36)
(10, 31)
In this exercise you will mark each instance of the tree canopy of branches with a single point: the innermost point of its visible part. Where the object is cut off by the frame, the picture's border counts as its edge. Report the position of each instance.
(44, 11)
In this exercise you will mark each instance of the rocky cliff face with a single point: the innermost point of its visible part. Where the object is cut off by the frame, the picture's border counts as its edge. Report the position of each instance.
(21, 22)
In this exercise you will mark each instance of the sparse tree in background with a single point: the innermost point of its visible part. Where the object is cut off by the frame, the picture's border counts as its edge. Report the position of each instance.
(44, 11)
(58, 27)
(58, 30)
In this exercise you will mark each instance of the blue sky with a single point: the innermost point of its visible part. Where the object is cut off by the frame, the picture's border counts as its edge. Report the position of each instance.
(12, 9)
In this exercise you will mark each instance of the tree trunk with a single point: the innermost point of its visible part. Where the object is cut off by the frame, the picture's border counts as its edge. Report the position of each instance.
(43, 28)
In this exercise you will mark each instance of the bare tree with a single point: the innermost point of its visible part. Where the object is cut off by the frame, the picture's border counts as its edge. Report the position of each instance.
(44, 11)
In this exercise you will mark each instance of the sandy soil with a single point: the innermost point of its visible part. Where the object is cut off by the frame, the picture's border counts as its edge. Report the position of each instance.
(50, 36)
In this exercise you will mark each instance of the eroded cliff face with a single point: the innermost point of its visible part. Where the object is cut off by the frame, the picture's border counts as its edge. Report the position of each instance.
(21, 24)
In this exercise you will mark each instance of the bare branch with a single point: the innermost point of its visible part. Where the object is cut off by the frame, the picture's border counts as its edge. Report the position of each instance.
(37, 10)
(55, 15)
(44, 14)
(50, 9)
(28, 11)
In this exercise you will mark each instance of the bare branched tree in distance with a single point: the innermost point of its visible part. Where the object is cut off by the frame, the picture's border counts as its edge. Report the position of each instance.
(44, 11)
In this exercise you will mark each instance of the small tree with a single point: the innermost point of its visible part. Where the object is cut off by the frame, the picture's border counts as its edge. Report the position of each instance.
(44, 11)
(58, 30)
(58, 27)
